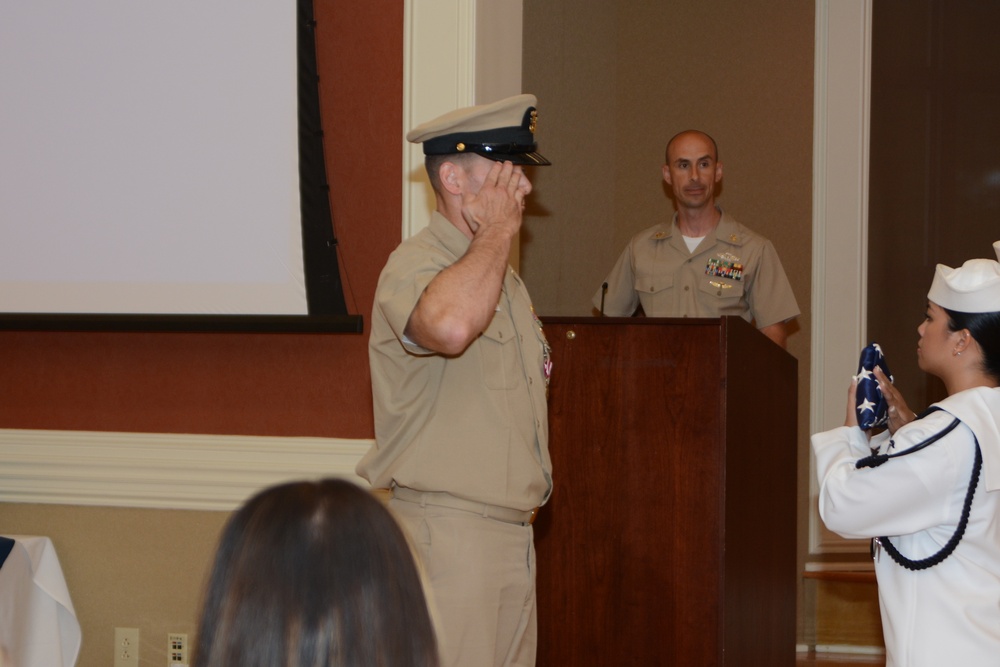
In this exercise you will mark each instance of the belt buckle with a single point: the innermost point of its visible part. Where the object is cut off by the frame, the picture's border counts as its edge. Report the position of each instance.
(534, 514)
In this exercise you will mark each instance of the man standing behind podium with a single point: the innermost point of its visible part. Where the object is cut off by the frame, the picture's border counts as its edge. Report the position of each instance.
(703, 263)
(459, 372)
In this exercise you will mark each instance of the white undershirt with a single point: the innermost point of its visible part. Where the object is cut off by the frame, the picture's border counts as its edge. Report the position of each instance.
(692, 242)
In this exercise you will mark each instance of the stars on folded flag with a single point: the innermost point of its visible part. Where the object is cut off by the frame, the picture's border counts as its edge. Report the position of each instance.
(866, 405)
(870, 403)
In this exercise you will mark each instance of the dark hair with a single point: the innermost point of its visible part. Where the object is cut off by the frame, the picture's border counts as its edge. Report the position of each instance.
(314, 574)
(985, 328)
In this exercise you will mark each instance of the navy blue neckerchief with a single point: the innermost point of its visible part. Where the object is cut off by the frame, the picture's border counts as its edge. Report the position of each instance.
(6, 545)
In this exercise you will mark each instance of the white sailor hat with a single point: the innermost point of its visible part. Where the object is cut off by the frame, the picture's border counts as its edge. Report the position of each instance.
(972, 288)
(501, 131)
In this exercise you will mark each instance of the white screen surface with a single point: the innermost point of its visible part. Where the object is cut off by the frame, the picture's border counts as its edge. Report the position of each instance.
(149, 157)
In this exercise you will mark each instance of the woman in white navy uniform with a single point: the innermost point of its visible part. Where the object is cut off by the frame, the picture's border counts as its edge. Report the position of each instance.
(927, 490)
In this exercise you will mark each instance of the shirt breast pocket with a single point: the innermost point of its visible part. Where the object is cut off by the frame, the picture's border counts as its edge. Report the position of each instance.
(499, 353)
(648, 282)
(724, 291)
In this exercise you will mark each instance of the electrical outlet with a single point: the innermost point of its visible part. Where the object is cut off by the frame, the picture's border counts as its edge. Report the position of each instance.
(126, 647)
(177, 650)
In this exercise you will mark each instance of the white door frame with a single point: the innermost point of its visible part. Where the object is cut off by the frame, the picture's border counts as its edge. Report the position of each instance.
(840, 224)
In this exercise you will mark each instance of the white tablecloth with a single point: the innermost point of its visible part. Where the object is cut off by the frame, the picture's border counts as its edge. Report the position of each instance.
(38, 625)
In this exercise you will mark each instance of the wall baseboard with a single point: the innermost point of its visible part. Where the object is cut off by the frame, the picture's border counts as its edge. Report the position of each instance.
(846, 649)
(161, 470)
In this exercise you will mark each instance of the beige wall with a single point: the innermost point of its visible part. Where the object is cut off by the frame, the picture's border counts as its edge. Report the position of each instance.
(615, 80)
(126, 567)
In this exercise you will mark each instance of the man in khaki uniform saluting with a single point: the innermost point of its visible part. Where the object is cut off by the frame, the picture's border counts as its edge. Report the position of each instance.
(703, 263)
(459, 369)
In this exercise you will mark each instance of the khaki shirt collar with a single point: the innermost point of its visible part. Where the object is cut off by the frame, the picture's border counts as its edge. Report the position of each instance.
(727, 231)
(450, 237)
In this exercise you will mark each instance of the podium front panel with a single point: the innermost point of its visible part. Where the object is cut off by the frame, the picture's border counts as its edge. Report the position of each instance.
(633, 555)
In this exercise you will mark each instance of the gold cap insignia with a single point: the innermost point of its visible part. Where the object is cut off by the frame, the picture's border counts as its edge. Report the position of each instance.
(534, 121)
(734, 238)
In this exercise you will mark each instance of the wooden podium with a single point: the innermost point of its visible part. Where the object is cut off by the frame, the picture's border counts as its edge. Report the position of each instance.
(670, 535)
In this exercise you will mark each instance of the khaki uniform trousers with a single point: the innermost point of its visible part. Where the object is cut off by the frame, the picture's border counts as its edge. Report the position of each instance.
(481, 578)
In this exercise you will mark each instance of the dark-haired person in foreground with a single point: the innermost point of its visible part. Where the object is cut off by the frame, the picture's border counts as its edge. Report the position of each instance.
(459, 370)
(928, 491)
(314, 574)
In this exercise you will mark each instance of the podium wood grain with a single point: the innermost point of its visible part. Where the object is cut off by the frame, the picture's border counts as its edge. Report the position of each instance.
(670, 535)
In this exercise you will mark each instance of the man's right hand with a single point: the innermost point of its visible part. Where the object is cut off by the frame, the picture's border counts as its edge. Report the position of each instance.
(499, 201)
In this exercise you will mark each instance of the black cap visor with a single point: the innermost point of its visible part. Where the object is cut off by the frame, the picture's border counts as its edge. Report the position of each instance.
(525, 155)
(509, 144)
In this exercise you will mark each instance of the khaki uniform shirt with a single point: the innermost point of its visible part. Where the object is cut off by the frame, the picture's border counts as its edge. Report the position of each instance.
(475, 425)
(733, 271)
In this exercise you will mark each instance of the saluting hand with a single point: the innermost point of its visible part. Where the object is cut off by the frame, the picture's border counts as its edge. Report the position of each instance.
(500, 200)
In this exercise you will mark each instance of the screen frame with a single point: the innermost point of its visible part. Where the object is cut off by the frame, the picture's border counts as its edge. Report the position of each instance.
(326, 306)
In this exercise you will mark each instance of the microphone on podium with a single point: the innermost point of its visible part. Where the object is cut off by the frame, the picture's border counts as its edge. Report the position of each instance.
(604, 290)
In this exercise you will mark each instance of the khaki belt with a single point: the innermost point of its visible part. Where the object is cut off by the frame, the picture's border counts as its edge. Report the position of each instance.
(438, 499)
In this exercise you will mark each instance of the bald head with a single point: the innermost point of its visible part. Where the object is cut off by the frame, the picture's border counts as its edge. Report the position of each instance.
(689, 134)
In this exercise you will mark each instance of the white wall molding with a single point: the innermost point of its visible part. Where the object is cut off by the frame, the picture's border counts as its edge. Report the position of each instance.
(162, 471)
(439, 54)
(840, 223)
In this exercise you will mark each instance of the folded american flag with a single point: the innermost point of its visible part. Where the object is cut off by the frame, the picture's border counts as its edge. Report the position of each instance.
(871, 404)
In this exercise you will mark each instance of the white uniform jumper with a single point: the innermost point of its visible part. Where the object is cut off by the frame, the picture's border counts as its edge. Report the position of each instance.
(947, 613)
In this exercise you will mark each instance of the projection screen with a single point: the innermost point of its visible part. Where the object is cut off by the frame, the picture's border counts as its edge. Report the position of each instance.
(150, 160)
